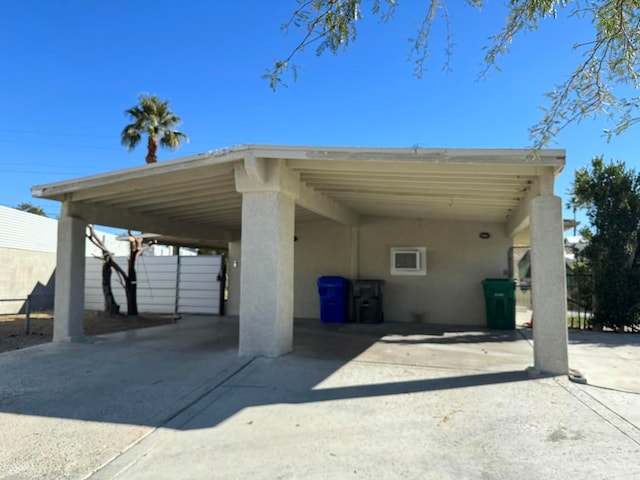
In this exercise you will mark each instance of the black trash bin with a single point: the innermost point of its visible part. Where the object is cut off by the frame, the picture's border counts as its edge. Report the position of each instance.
(367, 300)
(333, 291)
(500, 303)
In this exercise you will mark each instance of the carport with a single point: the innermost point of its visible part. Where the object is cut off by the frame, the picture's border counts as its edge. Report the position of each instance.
(254, 198)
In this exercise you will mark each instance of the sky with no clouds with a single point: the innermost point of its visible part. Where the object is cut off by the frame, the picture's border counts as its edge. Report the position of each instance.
(71, 67)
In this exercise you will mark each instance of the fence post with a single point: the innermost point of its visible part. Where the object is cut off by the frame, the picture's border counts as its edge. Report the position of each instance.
(27, 319)
(177, 298)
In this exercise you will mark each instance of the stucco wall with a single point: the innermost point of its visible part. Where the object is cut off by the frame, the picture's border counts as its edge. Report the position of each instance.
(232, 306)
(451, 292)
(322, 248)
(26, 272)
(457, 262)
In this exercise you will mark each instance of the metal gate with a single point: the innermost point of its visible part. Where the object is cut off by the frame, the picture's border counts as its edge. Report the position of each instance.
(175, 284)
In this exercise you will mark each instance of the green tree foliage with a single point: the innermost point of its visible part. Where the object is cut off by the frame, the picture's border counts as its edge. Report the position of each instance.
(611, 196)
(31, 208)
(153, 118)
(609, 60)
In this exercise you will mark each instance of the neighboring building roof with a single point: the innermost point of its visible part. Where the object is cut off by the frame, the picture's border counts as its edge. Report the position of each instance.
(27, 231)
(570, 223)
(573, 244)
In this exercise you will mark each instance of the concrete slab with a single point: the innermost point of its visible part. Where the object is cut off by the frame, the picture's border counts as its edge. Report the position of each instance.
(65, 409)
(606, 359)
(375, 401)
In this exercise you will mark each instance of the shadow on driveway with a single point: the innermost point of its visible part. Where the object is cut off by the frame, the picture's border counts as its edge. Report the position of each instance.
(150, 377)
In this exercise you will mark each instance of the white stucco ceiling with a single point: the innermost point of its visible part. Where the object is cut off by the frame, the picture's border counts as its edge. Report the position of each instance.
(200, 191)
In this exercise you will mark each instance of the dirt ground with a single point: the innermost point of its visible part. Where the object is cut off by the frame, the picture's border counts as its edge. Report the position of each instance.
(13, 336)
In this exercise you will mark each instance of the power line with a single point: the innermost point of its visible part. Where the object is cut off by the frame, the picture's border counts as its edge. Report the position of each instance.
(40, 172)
(84, 135)
(54, 134)
(65, 145)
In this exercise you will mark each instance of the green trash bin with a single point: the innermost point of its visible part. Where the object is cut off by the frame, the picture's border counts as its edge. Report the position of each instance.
(500, 303)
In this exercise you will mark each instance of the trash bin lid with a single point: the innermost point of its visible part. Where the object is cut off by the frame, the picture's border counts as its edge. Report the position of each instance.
(331, 281)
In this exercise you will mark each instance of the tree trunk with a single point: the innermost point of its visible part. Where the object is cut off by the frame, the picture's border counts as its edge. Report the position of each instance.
(131, 285)
(110, 305)
(152, 148)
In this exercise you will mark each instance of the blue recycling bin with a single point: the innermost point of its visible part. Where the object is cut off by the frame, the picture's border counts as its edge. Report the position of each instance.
(333, 291)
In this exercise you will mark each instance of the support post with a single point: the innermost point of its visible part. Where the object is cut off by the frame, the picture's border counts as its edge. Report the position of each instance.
(266, 278)
(27, 316)
(69, 293)
(549, 289)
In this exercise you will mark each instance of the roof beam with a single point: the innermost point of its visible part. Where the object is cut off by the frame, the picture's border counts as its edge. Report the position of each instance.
(519, 219)
(428, 199)
(318, 203)
(148, 223)
(478, 193)
(273, 175)
(412, 181)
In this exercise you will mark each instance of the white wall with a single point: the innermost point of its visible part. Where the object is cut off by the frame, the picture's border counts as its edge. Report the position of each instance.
(168, 250)
(451, 292)
(233, 272)
(110, 240)
(27, 259)
(28, 246)
(195, 277)
(198, 285)
(26, 231)
(323, 248)
(23, 273)
(457, 262)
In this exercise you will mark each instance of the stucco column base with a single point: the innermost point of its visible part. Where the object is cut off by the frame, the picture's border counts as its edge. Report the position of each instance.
(68, 315)
(266, 274)
(548, 285)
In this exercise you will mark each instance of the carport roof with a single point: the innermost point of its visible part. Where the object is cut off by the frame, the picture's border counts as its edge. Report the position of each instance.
(199, 191)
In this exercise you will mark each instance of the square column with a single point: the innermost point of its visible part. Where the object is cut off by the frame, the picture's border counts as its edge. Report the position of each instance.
(68, 316)
(548, 285)
(266, 274)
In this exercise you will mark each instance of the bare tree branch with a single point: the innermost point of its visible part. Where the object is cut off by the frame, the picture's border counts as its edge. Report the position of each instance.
(609, 65)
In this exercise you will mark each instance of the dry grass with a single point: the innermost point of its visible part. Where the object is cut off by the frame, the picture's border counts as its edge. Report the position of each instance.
(13, 336)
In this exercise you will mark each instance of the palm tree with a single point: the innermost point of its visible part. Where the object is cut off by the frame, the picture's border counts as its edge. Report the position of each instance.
(153, 118)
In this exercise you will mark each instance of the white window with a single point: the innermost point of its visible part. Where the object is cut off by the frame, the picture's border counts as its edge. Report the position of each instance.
(408, 261)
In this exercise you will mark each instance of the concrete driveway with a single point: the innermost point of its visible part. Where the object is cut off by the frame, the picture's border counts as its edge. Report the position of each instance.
(352, 401)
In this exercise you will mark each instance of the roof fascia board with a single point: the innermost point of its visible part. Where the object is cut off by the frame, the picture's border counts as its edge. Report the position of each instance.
(448, 169)
(550, 157)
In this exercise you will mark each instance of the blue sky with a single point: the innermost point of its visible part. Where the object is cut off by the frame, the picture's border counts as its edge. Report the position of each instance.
(70, 69)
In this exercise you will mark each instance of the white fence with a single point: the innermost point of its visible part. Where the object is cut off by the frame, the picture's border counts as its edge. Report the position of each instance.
(165, 284)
